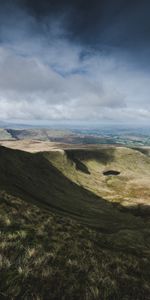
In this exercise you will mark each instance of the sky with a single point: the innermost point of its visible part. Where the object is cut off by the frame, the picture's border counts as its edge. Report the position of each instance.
(75, 61)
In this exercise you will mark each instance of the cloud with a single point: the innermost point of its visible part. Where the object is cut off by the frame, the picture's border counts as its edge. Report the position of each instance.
(47, 75)
(28, 82)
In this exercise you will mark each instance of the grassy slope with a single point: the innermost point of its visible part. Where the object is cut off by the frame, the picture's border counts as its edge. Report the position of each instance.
(86, 167)
(46, 256)
(33, 178)
(71, 244)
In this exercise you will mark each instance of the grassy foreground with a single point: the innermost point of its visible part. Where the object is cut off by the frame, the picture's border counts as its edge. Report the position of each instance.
(46, 256)
(60, 241)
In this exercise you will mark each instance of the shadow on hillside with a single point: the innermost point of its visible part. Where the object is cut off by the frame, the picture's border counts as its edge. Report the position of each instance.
(101, 155)
(79, 165)
(139, 210)
(143, 151)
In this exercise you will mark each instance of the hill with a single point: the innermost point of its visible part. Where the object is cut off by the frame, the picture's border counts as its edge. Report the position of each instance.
(5, 135)
(39, 134)
(60, 240)
(130, 137)
(88, 167)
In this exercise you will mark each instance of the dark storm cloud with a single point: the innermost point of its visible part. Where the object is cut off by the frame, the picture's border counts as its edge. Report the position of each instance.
(74, 59)
(109, 26)
(118, 23)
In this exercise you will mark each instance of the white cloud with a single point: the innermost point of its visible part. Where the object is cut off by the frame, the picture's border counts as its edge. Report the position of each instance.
(45, 78)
